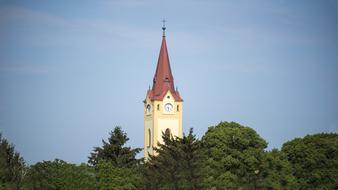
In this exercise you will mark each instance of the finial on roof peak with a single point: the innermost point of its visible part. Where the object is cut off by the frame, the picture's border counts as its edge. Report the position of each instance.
(163, 27)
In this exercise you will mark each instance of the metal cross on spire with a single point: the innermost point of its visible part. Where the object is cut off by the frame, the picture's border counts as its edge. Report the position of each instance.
(163, 27)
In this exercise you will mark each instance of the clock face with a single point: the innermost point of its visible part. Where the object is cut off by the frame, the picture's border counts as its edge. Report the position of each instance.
(148, 108)
(168, 107)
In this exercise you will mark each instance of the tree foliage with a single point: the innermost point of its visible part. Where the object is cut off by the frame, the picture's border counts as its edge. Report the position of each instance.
(190, 162)
(12, 166)
(111, 177)
(115, 164)
(314, 159)
(60, 175)
(229, 156)
(177, 164)
(115, 151)
(277, 172)
(233, 157)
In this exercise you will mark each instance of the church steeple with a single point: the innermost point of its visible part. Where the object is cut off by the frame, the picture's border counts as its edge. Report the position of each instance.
(163, 105)
(163, 78)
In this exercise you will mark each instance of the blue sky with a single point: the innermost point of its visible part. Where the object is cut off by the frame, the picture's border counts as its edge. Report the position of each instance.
(72, 70)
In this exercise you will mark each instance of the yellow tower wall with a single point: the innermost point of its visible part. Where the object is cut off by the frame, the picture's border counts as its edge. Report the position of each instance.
(158, 120)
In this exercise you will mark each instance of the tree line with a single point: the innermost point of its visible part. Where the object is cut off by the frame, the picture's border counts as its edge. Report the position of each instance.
(229, 156)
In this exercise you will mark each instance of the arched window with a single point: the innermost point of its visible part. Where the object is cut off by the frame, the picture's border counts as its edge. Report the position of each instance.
(178, 108)
(149, 138)
(167, 132)
(148, 108)
(158, 107)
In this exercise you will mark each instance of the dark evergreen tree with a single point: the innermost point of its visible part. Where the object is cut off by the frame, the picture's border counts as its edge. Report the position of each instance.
(190, 162)
(176, 165)
(163, 168)
(115, 151)
(12, 166)
(314, 159)
(115, 164)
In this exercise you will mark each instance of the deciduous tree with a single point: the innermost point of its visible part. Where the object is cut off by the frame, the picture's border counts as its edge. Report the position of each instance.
(111, 177)
(60, 175)
(314, 159)
(12, 166)
(277, 172)
(233, 157)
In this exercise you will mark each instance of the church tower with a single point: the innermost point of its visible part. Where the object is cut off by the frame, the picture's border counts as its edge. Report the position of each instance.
(162, 105)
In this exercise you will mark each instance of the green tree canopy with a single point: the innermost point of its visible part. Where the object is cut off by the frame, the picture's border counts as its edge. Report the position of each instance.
(177, 164)
(277, 172)
(59, 175)
(229, 156)
(115, 151)
(314, 159)
(116, 166)
(111, 177)
(12, 166)
(233, 157)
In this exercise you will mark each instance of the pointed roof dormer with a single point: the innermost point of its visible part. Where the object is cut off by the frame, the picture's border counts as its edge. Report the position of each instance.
(163, 79)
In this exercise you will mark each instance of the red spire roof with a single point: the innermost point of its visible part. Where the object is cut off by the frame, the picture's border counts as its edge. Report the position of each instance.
(163, 79)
